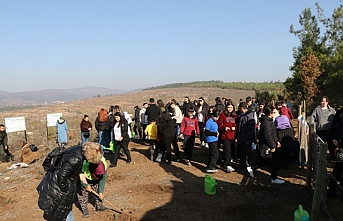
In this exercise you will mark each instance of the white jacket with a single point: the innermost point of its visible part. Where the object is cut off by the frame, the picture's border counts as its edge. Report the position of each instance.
(177, 115)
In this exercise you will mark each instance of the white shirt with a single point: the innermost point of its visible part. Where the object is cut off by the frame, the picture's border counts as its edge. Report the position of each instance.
(117, 131)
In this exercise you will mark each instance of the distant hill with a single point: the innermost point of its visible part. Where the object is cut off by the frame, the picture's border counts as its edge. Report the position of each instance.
(49, 96)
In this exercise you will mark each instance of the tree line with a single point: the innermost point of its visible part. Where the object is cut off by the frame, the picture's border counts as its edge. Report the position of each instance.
(275, 86)
(317, 69)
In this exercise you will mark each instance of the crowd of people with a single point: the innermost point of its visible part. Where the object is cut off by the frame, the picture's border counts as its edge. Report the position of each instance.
(250, 131)
(220, 126)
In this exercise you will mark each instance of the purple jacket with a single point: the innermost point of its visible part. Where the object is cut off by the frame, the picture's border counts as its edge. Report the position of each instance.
(282, 122)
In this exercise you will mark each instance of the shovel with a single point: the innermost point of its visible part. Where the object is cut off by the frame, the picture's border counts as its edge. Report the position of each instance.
(120, 211)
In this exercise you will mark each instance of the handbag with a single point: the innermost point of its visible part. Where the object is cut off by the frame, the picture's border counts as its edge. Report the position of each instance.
(86, 134)
(339, 155)
(265, 151)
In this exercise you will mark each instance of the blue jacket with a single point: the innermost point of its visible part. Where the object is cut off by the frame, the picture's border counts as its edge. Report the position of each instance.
(212, 126)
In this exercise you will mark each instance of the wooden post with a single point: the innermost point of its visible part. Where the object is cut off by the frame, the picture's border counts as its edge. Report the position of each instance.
(310, 158)
(304, 105)
(320, 182)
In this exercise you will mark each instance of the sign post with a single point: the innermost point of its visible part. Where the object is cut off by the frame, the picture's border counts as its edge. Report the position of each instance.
(14, 124)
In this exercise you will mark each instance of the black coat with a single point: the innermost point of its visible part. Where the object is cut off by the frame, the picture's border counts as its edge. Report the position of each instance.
(167, 131)
(153, 112)
(186, 106)
(57, 190)
(268, 135)
(246, 128)
(101, 126)
(136, 118)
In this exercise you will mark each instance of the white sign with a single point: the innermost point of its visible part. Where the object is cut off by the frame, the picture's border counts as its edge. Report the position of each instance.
(51, 119)
(14, 124)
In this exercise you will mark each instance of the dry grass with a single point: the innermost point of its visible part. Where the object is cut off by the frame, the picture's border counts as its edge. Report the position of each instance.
(73, 111)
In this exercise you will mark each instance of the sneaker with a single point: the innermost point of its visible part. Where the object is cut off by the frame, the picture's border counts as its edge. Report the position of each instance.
(102, 208)
(152, 157)
(211, 170)
(277, 181)
(250, 171)
(85, 213)
(188, 163)
(229, 169)
(159, 157)
(113, 165)
(202, 144)
(206, 145)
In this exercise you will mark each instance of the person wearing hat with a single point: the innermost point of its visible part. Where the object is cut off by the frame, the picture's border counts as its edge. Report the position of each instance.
(93, 178)
(62, 131)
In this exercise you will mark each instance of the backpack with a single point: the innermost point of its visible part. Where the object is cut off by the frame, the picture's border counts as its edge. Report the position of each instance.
(51, 161)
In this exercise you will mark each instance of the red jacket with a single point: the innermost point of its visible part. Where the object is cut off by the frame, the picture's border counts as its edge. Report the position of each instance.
(287, 112)
(188, 125)
(227, 121)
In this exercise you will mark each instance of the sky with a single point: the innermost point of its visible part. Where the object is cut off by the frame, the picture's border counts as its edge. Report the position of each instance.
(135, 44)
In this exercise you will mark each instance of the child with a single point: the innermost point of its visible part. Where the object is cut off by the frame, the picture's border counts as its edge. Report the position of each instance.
(188, 128)
(151, 133)
(212, 134)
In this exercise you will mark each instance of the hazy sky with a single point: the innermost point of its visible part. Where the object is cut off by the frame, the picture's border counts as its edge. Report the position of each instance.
(126, 44)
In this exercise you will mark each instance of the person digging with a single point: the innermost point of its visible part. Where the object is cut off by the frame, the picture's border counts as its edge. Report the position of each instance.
(93, 178)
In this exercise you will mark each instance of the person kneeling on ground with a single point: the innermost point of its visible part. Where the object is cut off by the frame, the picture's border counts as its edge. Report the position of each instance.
(93, 178)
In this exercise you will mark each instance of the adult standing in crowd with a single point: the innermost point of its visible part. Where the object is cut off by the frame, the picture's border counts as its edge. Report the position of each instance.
(86, 127)
(337, 133)
(62, 131)
(137, 126)
(322, 117)
(111, 121)
(187, 104)
(219, 106)
(153, 111)
(57, 190)
(227, 130)
(177, 115)
(143, 118)
(268, 137)
(121, 138)
(246, 135)
(167, 131)
(101, 125)
(202, 112)
(3, 143)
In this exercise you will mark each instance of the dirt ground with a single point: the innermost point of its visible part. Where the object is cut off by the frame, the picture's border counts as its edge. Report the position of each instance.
(148, 190)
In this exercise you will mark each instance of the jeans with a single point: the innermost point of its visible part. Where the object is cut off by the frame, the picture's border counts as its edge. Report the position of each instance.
(83, 139)
(70, 217)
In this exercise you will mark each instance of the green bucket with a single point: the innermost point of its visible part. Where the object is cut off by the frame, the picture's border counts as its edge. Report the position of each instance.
(210, 185)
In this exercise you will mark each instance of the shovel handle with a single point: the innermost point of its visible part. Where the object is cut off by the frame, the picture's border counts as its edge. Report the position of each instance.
(113, 207)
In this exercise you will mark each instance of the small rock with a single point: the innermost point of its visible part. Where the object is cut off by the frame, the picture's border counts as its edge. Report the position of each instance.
(7, 178)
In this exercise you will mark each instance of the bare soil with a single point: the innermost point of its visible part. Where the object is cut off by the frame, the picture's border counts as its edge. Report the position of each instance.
(147, 190)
